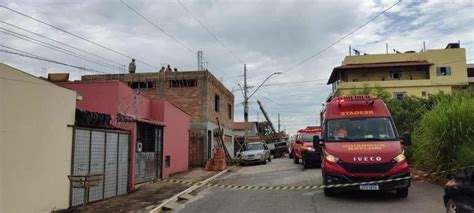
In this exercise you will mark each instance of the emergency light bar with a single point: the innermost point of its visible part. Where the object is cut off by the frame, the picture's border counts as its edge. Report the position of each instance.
(367, 98)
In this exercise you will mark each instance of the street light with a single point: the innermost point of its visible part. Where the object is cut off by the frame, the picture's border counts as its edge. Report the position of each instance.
(275, 73)
(246, 99)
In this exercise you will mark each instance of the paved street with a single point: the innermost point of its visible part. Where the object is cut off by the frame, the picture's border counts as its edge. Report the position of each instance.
(423, 197)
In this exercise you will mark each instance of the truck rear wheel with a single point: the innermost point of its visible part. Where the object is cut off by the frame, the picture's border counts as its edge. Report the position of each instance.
(296, 160)
(402, 192)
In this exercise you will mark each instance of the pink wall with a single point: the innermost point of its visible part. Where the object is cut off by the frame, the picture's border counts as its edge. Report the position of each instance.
(176, 137)
(114, 97)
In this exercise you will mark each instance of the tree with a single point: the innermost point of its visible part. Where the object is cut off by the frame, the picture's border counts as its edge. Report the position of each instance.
(376, 90)
(264, 128)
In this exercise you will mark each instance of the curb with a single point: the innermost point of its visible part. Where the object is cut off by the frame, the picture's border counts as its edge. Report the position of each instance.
(189, 190)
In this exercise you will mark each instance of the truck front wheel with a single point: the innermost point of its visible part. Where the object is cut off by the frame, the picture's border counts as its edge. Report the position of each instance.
(328, 192)
(402, 192)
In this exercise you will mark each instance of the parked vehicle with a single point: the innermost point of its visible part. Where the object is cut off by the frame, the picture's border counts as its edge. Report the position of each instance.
(459, 193)
(304, 149)
(360, 143)
(255, 152)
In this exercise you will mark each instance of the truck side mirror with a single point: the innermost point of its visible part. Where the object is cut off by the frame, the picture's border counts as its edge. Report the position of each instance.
(406, 139)
(317, 142)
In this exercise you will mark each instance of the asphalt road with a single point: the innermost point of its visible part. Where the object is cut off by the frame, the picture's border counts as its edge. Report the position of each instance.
(423, 197)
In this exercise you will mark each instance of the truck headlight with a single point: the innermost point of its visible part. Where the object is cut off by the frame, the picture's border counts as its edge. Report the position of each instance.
(400, 157)
(331, 158)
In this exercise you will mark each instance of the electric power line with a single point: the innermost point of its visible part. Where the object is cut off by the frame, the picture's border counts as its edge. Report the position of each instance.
(53, 47)
(77, 36)
(210, 33)
(62, 43)
(37, 57)
(158, 27)
(340, 39)
(187, 47)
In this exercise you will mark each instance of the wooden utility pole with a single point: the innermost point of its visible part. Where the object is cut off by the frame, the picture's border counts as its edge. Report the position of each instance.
(246, 106)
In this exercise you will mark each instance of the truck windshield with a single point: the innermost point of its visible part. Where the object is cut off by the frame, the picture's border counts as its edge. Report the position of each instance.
(360, 129)
(308, 137)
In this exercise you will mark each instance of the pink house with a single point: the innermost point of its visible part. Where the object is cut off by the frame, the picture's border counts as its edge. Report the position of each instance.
(159, 131)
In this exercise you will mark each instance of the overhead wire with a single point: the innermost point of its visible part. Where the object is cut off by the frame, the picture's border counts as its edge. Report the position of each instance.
(210, 32)
(62, 43)
(342, 38)
(77, 36)
(187, 47)
(53, 47)
(41, 58)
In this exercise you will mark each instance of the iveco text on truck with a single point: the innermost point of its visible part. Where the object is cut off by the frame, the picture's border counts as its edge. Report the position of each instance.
(360, 143)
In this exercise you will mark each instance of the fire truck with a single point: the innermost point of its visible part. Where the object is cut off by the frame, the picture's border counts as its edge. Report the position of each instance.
(303, 147)
(360, 143)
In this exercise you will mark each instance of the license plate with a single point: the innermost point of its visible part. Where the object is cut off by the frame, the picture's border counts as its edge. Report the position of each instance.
(369, 187)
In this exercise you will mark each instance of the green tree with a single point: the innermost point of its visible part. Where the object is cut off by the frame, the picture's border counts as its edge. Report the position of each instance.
(376, 90)
(264, 128)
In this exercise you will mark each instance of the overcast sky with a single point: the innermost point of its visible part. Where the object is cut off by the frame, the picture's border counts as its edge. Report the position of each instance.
(268, 35)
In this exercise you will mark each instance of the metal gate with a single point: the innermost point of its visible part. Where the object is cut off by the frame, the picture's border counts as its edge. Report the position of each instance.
(104, 152)
(148, 155)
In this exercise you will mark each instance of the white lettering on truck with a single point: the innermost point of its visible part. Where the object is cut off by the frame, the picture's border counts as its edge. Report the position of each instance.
(368, 159)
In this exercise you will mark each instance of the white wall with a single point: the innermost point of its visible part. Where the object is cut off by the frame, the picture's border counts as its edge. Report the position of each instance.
(35, 142)
(230, 146)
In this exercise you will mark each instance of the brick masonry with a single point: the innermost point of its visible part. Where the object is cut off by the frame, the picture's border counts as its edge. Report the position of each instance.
(197, 100)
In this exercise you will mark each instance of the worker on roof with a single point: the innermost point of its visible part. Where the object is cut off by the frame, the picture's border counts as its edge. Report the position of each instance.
(132, 67)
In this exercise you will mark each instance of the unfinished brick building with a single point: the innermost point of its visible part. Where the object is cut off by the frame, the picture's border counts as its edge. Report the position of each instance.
(199, 94)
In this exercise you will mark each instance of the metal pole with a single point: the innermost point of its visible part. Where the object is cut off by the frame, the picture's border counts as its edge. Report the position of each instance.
(278, 122)
(246, 106)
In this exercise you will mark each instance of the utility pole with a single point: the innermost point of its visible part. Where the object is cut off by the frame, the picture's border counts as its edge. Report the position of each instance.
(246, 106)
(278, 122)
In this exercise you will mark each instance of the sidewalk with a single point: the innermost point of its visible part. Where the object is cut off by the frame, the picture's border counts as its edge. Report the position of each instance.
(148, 195)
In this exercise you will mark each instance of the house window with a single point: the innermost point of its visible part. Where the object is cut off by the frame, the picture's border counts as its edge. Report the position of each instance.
(443, 71)
(183, 83)
(141, 85)
(399, 95)
(229, 107)
(395, 75)
(423, 93)
(217, 103)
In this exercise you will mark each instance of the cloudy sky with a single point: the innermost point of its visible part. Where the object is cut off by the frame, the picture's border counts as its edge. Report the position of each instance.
(268, 35)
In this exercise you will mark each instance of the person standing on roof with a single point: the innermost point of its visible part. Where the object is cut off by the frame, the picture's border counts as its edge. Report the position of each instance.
(132, 67)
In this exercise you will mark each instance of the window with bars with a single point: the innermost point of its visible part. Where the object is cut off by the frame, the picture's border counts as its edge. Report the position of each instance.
(183, 83)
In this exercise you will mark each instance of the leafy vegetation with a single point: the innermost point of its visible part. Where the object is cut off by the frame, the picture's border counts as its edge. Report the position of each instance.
(444, 137)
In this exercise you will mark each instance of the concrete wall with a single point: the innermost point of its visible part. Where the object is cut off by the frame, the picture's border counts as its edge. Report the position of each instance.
(228, 144)
(454, 58)
(35, 142)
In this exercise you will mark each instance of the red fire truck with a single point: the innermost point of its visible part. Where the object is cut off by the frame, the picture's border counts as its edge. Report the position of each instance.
(360, 143)
(303, 147)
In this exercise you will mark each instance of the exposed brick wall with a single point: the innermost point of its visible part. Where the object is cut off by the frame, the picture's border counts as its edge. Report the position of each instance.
(188, 99)
(225, 100)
